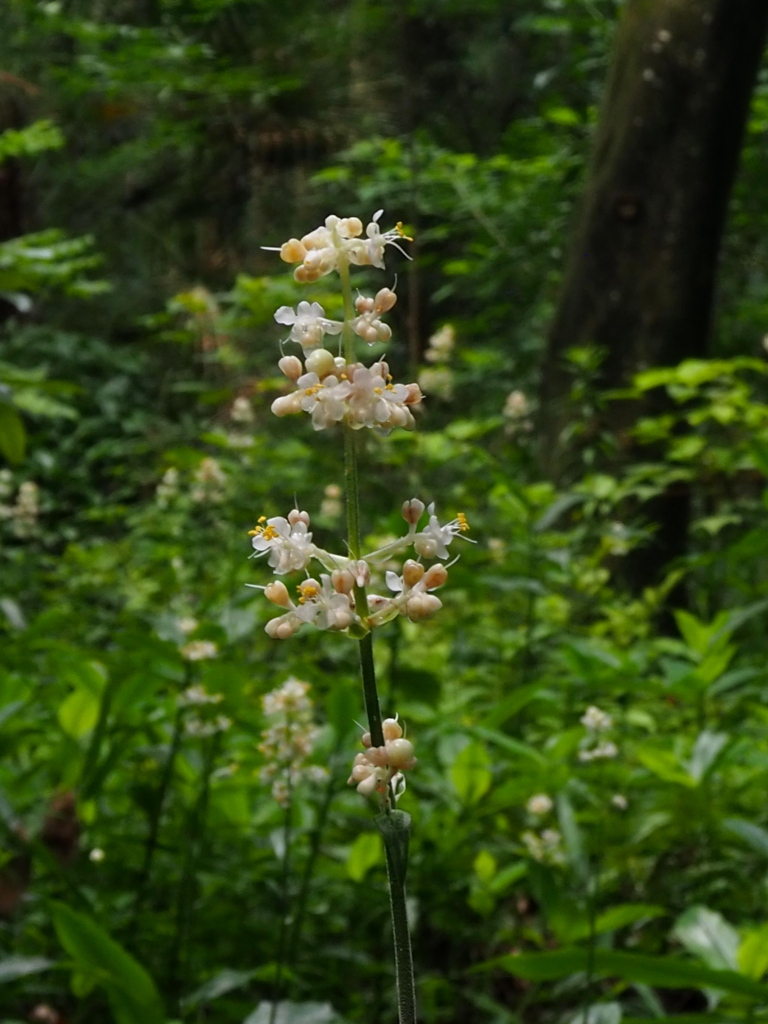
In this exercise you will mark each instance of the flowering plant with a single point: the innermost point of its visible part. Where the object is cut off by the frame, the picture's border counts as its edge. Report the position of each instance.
(354, 592)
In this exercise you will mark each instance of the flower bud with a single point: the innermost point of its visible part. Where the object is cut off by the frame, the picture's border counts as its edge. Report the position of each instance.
(400, 754)
(392, 729)
(343, 581)
(286, 404)
(384, 300)
(277, 593)
(377, 756)
(291, 367)
(361, 572)
(414, 396)
(369, 786)
(351, 227)
(366, 740)
(413, 511)
(422, 606)
(363, 304)
(294, 516)
(292, 251)
(321, 362)
(435, 577)
(412, 572)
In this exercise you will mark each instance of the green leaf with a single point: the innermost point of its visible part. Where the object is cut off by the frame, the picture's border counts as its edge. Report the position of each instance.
(708, 936)
(13, 437)
(752, 956)
(131, 992)
(753, 835)
(78, 713)
(471, 773)
(660, 971)
(706, 751)
(365, 853)
(625, 914)
(220, 984)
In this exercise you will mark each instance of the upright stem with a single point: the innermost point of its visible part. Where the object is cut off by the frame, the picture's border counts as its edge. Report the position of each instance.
(394, 825)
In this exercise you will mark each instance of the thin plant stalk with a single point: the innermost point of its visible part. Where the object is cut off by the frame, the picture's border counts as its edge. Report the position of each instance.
(393, 825)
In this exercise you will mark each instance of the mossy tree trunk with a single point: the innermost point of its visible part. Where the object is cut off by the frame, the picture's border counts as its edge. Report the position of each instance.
(641, 271)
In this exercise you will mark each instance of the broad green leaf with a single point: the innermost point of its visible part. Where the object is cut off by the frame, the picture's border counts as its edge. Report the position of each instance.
(708, 936)
(752, 956)
(365, 853)
(512, 746)
(13, 437)
(572, 838)
(130, 990)
(659, 971)
(664, 764)
(485, 866)
(78, 713)
(471, 773)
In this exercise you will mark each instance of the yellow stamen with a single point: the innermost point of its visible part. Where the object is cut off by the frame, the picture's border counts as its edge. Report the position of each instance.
(401, 232)
(377, 390)
(462, 520)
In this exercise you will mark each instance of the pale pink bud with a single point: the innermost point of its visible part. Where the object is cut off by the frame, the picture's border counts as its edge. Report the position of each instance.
(401, 754)
(422, 606)
(377, 756)
(291, 367)
(412, 572)
(363, 304)
(392, 729)
(413, 511)
(369, 786)
(414, 395)
(385, 300)
(366, 741)
(277, 593)
(435, 577)
(294, 516)
(361, 572)
(343, 581)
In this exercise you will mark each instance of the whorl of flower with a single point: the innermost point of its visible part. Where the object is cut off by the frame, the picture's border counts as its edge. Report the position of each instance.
(340, 238)
(546, 847)
(379, 769)
(199, 650)
(328, 601)
(596, 720)
(24, 512)
(332, 390)
(288, 740)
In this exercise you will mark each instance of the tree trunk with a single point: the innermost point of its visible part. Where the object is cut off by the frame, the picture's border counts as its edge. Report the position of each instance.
(641, 272)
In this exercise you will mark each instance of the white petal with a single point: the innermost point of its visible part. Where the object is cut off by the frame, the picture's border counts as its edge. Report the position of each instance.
(285, 315)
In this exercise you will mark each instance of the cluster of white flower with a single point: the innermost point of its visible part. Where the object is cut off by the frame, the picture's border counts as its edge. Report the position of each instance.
(332, 390)
(288, 740)
(340, 238)
(379, 769)
(198, 696)
(331, 387)
(596, 722)
(210, 482)
(331, 602)
(545, 847)
(168, 487)
(199, 650)
(203, 728)
(24, 512)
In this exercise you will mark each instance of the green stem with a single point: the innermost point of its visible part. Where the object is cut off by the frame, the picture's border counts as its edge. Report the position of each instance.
(395, 828)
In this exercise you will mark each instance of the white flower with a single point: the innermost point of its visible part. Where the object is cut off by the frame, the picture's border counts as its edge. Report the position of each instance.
(440, 346)
(434, 540)
(596, 720)
(605, 750)
(199, 650)
(187, 624)
(242, 410)
(539, 805)
(96, 856)
(308, 324)
(378, 240)
(516, 405)
(196, 696)
(288, 541)
(619, 801)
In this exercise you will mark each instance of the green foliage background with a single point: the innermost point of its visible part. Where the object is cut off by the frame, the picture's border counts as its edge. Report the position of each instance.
(158, 145)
